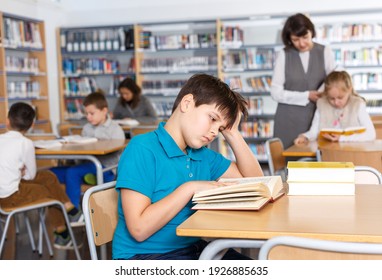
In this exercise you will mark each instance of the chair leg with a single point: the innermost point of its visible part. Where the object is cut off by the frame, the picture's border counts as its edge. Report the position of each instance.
(76, 251)
(5, 231)
(30, 233)
(44, 233)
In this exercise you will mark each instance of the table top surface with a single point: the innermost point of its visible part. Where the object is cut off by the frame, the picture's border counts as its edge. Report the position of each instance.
(310, 149)
(101, 147)
(344, 218)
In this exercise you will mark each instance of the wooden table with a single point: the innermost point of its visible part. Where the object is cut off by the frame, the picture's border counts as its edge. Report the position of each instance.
(342, 218)
(88, 151)
(302, 150)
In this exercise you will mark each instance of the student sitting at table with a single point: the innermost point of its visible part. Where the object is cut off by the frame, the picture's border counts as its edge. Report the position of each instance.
(101, 127)
(20, 184)
(160, 171)
(340, 107)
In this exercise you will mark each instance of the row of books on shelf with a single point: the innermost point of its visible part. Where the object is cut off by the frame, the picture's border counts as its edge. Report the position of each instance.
(179, 64)
(90, 66)
(249, 59)
(21, 64)
(24, 89)
(258, 128)
(250, 84)
(165, 87)
(231, 37)
(349, 32)
(163, 108)
(255, 105)
(365, 56)
(258, 149)
(177, 42)
(21, 34)
(79, 86)
(367, 81)
(98, 39)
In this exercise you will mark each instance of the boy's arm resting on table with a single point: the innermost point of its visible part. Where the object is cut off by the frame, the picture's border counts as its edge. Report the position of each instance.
(143, 218)
(246, 164)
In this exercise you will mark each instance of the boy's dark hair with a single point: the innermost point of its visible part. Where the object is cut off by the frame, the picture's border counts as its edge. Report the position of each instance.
(97, 99)
(131, 85)
(297, 25)
(208, 89)
(21, 116)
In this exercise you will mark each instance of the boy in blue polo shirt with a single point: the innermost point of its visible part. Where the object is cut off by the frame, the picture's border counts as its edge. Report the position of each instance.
(160, 171)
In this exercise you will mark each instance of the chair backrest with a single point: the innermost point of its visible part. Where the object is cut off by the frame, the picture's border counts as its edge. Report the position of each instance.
(276, 161)
(297, 248)
(367, 175)
(100, 207)
(140, 129)
(75, 130)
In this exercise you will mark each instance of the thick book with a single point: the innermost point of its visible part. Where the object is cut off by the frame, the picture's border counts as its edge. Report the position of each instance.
(250, 193)
(345, 131)
(320, 172)
(307, 188)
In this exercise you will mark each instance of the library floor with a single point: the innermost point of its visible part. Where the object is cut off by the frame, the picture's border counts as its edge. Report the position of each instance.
(18, 247)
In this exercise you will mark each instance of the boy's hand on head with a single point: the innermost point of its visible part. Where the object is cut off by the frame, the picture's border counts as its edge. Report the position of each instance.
(235, 126)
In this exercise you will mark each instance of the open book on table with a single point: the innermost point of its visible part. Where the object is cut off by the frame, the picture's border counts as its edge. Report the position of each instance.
(127, 122)
(250, 193)
(78, 139)
(56, 143)
(345, 131)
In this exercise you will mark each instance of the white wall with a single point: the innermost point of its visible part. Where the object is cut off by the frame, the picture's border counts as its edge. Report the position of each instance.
(105, 12)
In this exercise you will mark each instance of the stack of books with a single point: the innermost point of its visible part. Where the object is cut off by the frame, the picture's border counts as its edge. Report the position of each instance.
(321, 178)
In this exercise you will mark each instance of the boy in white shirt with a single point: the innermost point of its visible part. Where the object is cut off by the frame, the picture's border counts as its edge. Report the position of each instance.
(20, 183)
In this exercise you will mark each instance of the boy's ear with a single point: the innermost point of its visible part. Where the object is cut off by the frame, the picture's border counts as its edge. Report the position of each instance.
(187, 102)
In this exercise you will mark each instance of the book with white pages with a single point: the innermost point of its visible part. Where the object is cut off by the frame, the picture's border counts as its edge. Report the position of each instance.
(127, 122)
(47, 144)
(78, 139)
(250, 193)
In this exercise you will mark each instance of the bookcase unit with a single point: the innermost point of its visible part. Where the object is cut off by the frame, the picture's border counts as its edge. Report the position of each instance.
(23, 69)
(90, 59)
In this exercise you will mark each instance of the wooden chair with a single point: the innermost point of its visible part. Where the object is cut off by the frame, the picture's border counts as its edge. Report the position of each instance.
(100, 207)
(276, 161)
(40, 206)
(140, 129)
(297, 248)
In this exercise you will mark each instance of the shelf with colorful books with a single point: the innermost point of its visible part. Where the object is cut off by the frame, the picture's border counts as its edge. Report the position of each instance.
(168, 53)
(23, 65)
(93, 58)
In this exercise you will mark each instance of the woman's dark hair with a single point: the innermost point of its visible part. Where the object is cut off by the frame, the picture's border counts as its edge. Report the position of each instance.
(131, 85)
(297, 25)
(21, 116)
(207, 89)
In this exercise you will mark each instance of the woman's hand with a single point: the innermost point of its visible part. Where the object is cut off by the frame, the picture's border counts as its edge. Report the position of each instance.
(314, 95)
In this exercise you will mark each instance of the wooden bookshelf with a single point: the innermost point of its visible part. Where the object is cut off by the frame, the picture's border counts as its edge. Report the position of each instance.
(23, 68)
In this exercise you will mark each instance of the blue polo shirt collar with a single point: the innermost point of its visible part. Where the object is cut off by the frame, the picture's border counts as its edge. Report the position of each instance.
(170, 146)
